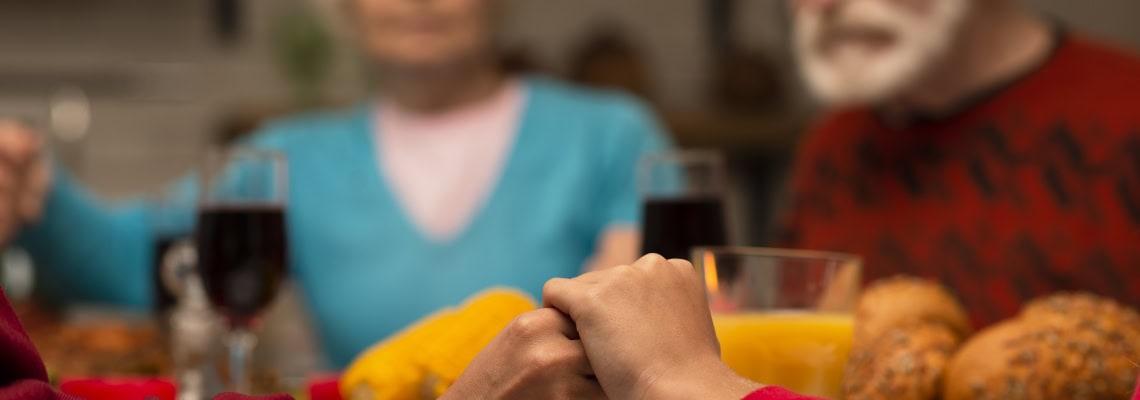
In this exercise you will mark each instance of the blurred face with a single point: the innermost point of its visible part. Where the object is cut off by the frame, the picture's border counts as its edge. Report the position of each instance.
(867, 51)
(423, 33)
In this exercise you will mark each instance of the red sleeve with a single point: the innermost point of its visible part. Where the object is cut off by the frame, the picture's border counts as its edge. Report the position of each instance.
(22, 373)
(775, 393)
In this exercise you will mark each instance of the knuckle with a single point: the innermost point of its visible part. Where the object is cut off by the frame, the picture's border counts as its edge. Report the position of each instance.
(682, 264)
(527, 325)
(547, 355)
(540, 358)
(623, 269)
(650, 260)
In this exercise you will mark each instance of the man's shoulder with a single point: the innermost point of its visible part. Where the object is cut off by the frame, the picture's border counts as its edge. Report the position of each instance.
(1104, 54)
(1097, 63)
(1087, 80)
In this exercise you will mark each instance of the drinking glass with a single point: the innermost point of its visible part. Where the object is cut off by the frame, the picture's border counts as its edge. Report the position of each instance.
(241, 244)
(683, 198)
(783, 317)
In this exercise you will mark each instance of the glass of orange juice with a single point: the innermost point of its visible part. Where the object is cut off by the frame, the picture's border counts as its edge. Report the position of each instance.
(783, 317)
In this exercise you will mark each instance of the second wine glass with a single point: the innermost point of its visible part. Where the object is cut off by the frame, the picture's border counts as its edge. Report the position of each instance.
(683, 197)
(242, 244)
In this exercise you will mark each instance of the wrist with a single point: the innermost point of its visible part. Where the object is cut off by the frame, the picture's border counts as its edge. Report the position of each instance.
(706, 379)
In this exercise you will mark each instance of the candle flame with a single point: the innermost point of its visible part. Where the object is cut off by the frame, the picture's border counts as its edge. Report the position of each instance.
(709, 263)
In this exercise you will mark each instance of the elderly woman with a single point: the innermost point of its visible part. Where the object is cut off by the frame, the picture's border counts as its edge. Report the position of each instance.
(454, 177)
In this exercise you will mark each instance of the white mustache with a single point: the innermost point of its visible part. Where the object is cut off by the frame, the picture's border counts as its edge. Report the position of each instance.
(871, 19)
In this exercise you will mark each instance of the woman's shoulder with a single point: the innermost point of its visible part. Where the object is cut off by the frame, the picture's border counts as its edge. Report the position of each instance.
(601, 111)
(301, 129)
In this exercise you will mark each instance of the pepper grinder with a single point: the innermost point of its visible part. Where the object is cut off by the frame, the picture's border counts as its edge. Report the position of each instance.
(194, 327)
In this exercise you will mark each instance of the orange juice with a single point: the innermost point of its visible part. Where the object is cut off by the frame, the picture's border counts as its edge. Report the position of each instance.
(803, 352)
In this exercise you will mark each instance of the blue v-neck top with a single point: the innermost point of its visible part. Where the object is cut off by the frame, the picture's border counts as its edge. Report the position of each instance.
(365, 269)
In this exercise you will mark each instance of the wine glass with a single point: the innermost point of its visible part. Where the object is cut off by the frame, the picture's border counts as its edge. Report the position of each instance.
(683, 198)
(241, 244)
(783, 317)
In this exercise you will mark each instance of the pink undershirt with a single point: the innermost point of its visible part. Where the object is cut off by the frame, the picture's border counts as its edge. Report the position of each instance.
(442, 167)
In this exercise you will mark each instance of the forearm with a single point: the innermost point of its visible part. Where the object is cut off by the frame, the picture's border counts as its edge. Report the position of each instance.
(618, 245)
(711, 379)
(86, 252)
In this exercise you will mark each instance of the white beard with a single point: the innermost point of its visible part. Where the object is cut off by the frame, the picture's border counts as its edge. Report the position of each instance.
(851, 73)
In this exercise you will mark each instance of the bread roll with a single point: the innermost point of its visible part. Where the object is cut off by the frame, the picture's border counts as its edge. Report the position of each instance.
(1082, 308)
(1062, 347)
(906, 363)
(901, 301)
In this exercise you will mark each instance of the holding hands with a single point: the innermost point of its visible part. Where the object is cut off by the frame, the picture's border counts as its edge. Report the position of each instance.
(644, 330)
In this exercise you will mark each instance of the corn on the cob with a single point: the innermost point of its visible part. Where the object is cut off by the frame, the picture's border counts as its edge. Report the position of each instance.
(481, 319)
(422, 361)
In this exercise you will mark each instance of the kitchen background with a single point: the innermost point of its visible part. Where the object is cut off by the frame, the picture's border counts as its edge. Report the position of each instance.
(132, 92)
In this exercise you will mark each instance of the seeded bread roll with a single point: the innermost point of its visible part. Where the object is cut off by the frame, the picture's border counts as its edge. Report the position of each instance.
(900, 301)
(1082, 308)
(1062, 347)
(906, 363)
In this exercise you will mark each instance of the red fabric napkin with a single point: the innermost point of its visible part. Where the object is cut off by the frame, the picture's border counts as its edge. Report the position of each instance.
(120, 389)
(325, 388)
(776, 393)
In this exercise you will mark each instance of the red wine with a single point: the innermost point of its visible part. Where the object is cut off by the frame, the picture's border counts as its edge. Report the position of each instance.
(241, 257)
(674, 226)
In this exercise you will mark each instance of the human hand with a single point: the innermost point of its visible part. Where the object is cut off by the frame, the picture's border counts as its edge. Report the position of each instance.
(537, 356)
(647, 331)
(25, 177)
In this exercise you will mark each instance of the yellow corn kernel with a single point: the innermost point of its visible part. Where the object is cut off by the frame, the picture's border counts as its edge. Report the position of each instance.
(390, 370)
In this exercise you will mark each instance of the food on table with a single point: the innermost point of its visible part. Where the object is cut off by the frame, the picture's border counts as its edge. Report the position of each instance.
(1065, 346)
(804, 352)
(1068, 346)
(1076, 308)
(423, 360)
(101, 349)
(894, 302)
(389, 370)
(905, 363)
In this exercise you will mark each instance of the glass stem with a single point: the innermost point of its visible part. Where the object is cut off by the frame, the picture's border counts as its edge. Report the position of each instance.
(240, 342)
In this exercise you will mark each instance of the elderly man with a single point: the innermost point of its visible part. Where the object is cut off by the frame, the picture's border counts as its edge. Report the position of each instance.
(973, 142)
